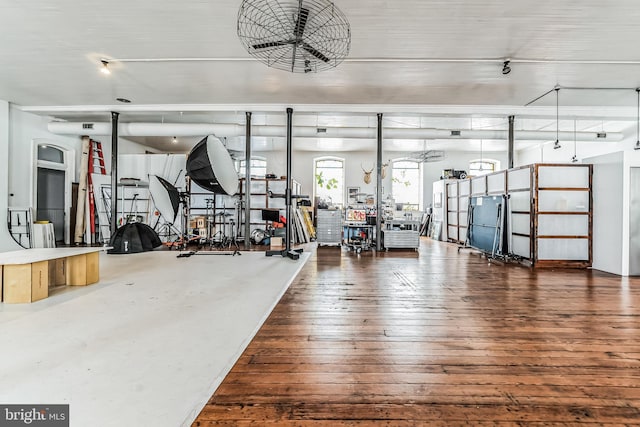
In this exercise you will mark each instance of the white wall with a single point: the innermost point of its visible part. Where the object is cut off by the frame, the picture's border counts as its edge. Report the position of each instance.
(354, 161)
(25, 128)
(544, 153)
(22, 131)
(607, 211)
(6, 241)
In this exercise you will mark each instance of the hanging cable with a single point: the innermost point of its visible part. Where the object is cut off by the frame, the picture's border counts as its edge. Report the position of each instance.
(574, 159)
(637, 147)
(556, 144)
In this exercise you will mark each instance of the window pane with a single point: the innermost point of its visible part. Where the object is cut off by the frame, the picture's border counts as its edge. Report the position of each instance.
(258, 167)
(406, 184)
(481, 168)
(329, 181)
(50, 154)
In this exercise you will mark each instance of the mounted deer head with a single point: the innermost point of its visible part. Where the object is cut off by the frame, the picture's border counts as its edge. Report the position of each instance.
(367, 175)
(383, 172)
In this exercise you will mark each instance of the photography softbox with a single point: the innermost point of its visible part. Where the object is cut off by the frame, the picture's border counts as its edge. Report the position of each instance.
(210, 165)
(165, 196)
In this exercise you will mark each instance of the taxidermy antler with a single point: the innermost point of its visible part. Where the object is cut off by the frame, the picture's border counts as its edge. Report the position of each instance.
(367, 175)
(383, 172)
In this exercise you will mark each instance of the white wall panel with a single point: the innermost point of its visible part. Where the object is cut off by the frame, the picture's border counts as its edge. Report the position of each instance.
(563, 225)
(519, 179)
(563, 249)
(563, 201)
(521, 246)
(496, 182)
(563, 176)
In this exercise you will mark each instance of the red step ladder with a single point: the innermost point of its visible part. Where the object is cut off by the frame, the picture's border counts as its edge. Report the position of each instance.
(96, 165)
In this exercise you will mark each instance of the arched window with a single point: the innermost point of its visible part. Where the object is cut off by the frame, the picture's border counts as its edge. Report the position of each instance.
(48, 153)
(329, 180)
(483, 167)
(258, 167)
(406, 184)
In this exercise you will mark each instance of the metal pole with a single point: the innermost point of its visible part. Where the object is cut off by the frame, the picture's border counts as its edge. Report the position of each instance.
(511, 140)
(114, 172)
(379, 188)
(289, 180)
(247, 180)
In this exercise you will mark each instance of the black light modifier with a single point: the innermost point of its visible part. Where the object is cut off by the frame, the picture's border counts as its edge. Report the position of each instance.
(210, 165)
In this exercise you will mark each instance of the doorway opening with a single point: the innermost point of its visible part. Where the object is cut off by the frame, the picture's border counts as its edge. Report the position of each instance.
(52, 189)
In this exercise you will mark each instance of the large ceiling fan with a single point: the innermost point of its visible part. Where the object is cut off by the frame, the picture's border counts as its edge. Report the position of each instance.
(300, 36)
(426, 156)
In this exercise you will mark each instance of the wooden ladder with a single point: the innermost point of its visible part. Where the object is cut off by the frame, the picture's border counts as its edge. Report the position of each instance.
(96, 166)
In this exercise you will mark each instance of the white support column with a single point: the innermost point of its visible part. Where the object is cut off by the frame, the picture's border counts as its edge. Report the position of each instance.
(6, 241)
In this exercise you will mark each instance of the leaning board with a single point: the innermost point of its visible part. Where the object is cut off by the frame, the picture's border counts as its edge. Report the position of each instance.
(483, 222)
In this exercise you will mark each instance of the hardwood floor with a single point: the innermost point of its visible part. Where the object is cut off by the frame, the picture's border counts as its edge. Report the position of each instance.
(439, 339)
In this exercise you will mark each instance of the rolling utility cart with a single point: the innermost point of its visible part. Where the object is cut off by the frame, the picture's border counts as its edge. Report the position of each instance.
(358, 237)
(400, 233)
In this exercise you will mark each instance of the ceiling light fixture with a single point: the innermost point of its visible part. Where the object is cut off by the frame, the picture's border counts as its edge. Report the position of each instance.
(105, 67)
(506, 67)
(637, 146)
(556, 144)
(124, 100)
(174, 140)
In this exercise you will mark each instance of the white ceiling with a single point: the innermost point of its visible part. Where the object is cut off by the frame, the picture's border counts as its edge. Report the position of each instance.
(50, 52)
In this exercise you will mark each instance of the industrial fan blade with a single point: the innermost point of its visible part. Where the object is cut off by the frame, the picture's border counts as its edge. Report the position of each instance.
(272, 44)
(315, 53)
(303, 15)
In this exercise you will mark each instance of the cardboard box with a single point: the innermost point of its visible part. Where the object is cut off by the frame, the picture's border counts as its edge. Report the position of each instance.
(201, 222)
(276, 241)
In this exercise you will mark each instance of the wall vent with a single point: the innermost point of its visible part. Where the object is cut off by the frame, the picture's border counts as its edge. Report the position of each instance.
(87, 126)
(455, 133)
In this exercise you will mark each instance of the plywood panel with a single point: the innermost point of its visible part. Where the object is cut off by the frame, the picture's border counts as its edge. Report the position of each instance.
(56, 272)
(93, 268)
(60, 277)
(39, 280)
(77, 270)
(17, 283)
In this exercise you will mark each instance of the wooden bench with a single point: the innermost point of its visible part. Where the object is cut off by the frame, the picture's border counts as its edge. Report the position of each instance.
(27, 274)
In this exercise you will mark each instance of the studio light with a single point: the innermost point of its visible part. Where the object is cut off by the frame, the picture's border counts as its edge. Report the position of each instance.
(105, 67)
(506, 67)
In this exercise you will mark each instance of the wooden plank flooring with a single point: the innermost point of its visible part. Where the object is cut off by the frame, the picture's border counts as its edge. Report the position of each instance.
(439, 339)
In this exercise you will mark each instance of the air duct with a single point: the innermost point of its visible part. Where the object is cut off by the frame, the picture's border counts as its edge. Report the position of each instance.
(236, 130)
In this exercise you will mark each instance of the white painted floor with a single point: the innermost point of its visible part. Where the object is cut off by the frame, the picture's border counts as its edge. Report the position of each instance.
(148, 344)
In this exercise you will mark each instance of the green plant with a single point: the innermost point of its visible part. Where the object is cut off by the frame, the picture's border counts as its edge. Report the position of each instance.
(406, 183)
(326, 183)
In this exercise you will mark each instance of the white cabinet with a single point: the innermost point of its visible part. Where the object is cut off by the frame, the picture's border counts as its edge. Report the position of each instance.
(329, 227)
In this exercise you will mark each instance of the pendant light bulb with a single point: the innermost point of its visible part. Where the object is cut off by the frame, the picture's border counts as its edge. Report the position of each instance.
(105, 67)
